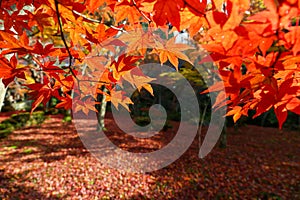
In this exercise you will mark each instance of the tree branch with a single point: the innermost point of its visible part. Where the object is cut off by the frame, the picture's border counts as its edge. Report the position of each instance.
(64, 39)
(102, 82)
(143, 14)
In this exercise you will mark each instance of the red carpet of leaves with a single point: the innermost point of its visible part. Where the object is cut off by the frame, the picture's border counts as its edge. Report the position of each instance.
(50, 162)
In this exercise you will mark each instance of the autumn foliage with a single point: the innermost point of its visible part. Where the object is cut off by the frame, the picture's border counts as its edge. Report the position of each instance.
(256, 48)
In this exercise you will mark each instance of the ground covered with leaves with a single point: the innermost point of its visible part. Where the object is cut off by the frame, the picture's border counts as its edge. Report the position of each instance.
(50, 162)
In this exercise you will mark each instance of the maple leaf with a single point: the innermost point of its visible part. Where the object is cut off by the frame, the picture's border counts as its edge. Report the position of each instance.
(85, 105)
(167, 11)
(42, 92)
(292, 38)
(12, 45)
(124, 64)
(236, 112)
(266, 97)
(66, 102)
(226, 38)
(41, 49)
(126, 10)
(41, 18)
(221, 100)
(138, 80)
(104, 33)
(268, 16)
(118, 97)
(65, 83)
(294, 105)
(286, 89)
(235, 11)
(196, 7)
(138, 40)
(266, 43)
(191, 21)
(172, 51)
(93, 5)
(10, 70)
(96, 63)
(281, 114)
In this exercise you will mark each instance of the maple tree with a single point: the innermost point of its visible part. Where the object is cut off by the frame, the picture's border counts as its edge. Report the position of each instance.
(71, 42)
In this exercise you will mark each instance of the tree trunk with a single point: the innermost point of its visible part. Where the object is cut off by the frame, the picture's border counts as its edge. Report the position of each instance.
(101, 113)
(2, 93)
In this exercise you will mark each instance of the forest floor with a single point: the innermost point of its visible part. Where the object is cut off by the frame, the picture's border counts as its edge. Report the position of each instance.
(50, 162)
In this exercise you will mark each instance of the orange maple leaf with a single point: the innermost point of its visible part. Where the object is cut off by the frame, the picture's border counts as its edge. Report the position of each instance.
(118, 98)
(66, 102)
(236, 112)
(85, 105)
(172, 51)
(138, 80)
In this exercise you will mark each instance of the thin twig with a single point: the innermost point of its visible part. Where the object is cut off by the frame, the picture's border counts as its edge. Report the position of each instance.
(103, 82)
(85, 17)
(64, 39)
(96, 21)
(147, 18)
(34, 33)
